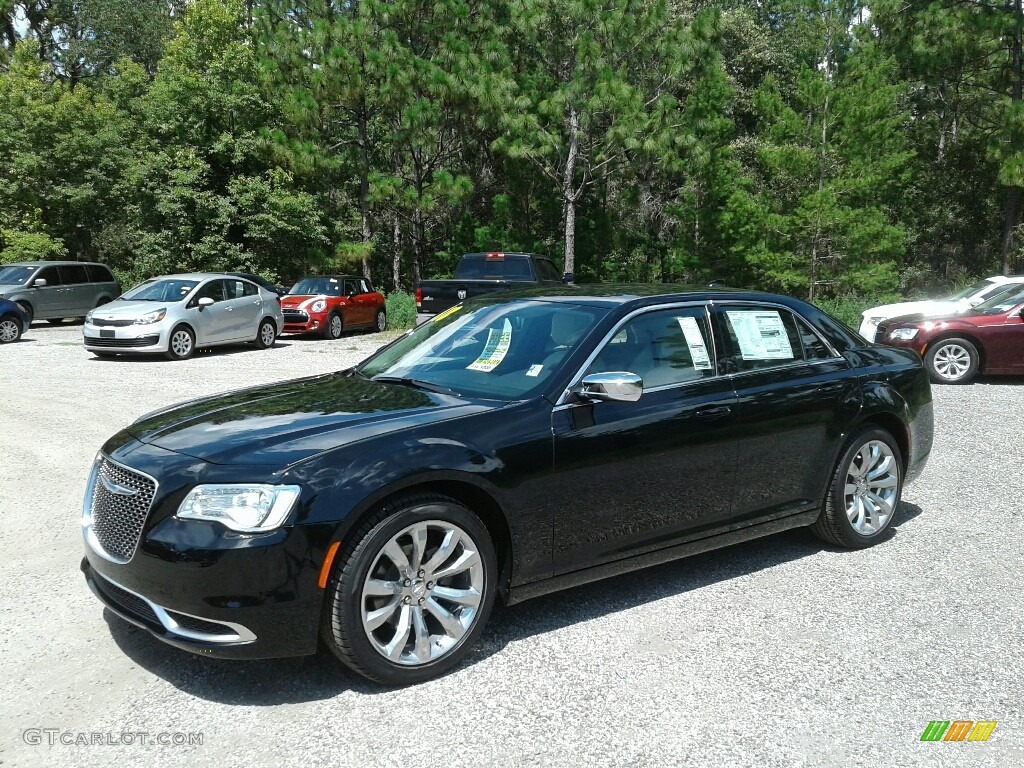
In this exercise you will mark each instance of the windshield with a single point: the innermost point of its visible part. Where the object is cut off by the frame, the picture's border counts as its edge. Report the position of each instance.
(309, 286)
(966, 293)
(1003, 301)
(160, 290)
(15, 275)
(501, 349)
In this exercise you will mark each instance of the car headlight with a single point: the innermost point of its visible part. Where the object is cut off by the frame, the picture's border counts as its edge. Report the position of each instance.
(246, 508)
(152, 317)
(319, 305)
(903, 334)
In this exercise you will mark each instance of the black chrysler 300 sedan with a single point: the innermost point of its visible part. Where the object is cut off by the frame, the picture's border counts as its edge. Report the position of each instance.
(509, 447)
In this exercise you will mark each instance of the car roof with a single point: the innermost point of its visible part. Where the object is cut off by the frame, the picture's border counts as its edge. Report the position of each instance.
(1006, 279)
(335, 277)
(44, 263)
(192, 276)
(611, 295)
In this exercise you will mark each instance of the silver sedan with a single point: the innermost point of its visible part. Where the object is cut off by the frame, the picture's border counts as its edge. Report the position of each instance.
(175, 314)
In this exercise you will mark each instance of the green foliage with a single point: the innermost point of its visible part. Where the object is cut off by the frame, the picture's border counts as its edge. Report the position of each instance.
(16, 245)
(849, 308)
(401, 309)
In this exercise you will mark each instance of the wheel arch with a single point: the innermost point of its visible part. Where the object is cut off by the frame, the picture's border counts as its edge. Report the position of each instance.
(896, 427)
(186, 324)
(953, 333)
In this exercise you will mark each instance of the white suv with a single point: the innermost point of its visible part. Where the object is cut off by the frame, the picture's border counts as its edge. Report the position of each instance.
(971, 296)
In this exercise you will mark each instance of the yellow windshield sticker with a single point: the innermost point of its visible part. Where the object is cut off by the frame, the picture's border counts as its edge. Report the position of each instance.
(447, 313)
(494, 350)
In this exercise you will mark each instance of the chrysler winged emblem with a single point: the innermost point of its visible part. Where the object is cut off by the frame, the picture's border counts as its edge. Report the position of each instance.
(462, 294)
(119, 490)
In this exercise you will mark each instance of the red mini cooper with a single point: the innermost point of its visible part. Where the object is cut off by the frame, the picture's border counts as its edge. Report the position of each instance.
(987, 339)
(331, 305)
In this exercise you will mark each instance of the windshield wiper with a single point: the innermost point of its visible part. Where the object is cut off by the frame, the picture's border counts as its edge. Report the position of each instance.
(417, 383)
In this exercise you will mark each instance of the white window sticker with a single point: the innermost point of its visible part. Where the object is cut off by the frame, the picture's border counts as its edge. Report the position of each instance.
(494, 350)
(695, 341)
(761, 334)
(535, 370)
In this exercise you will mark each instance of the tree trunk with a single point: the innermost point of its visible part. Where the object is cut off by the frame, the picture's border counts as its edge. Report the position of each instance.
(396, 251)
(365, 231)
(1011, 196)
(569, 194)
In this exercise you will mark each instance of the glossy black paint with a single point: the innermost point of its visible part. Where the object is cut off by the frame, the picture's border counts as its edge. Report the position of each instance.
(571, 490)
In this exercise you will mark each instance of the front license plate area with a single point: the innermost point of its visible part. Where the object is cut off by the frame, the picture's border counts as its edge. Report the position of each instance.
(106, 334)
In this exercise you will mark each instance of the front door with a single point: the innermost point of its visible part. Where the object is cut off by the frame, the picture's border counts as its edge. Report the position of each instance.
(647, 474)
(212, 323)
(1004, 343)
(796, 396)
(49, 301)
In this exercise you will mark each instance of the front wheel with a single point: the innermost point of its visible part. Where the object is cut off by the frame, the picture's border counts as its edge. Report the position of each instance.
(335, 326)
(952, 361)
(267, 334)
(864, 492)
(182, 343)
(10, 329)
(411, 593)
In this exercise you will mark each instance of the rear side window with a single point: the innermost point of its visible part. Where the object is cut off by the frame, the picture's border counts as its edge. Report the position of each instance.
(99, 274)
(814, 347)
(760, 337)
(547, 271)
(249, 289)
(494, 267)
(74, 274)
(238, 289)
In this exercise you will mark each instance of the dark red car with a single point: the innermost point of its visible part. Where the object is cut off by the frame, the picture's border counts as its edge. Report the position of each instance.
(987, 339)
(331, 305)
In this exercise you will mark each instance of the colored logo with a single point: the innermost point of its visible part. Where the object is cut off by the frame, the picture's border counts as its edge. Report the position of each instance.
(958, 730)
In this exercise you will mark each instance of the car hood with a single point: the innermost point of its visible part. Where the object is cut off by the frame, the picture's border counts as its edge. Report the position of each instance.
(295, 300)
(124, 309)
(927, 308)
(283, 423)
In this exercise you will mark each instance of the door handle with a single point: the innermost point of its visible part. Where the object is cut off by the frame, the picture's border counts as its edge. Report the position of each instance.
(713, 412)
(231, 309)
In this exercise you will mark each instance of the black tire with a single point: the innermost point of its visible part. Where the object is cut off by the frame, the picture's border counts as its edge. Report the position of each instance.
(27, 309)
(833, 524)
(334, 327)
(10, 329)
(265, 339)
(380, 322)
(952, 361)
(341, 624)
(180, 351)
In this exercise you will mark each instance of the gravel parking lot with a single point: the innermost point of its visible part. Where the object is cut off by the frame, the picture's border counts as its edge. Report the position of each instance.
(779, 652)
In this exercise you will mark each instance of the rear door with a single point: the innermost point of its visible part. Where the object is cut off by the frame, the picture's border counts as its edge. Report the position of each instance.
(244, 309)
(77, 290)
(796, 396)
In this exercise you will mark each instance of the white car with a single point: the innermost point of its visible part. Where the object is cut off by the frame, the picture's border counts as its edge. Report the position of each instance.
(176, 314)
(969, 297)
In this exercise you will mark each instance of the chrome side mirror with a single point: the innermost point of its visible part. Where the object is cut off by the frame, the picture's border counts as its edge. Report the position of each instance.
(614, 385)
(39, 282)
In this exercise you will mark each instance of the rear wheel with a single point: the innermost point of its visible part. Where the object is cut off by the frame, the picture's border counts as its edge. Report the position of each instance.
(412, 591)
(10, 329)
(335, 326)
(865, 491)
(382, 320)
(952, 361)
(267, 334)
(182, 343)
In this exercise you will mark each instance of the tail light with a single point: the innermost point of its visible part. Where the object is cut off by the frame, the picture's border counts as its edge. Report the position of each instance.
(419, 296)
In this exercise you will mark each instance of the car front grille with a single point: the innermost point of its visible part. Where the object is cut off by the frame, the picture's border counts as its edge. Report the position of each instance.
(117, 509)
(295, 316)
(100, 322)
(141, 341)
(131, 604)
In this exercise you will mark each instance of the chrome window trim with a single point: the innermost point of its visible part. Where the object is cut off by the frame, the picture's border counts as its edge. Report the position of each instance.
(87, 532)
(562, 401)
(239, 634)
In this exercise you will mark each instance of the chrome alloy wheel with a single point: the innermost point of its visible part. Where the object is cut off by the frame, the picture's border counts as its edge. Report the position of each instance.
(951, 361)
(382, 321)
(422, 594)
(9, 330)
(872, 482)
(181, 343)
(268, 334)
(336, 328)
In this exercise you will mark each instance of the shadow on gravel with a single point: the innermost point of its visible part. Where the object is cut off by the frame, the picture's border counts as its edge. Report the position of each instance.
(319, 677)
(156, 357)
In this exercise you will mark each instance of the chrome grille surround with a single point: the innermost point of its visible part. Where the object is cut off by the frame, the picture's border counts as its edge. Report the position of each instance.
(117, 503)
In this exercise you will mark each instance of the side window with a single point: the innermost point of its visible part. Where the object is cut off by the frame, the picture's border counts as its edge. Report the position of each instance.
(212, 290)
(814, 347)
(74, 274)
(234, 289)
(249, 289)
(663, 347)
(364, 287)
(760, 337)
(547, 271)
(50, 274)
(518, 268)
(99, 273)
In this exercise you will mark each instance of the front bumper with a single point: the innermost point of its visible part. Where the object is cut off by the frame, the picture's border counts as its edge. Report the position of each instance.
(304, 321)
(132, 338)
